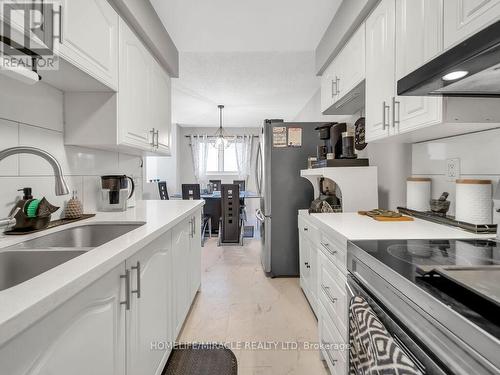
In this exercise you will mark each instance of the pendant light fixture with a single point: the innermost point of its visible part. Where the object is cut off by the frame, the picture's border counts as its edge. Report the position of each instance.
(221, 139)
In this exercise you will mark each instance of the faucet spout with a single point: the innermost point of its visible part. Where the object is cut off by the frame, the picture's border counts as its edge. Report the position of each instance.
(61, 186)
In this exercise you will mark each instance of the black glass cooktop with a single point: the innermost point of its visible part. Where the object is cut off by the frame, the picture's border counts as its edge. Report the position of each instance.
(421, 261)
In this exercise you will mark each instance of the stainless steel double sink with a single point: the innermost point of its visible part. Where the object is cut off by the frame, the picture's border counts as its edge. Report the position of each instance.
(24, 261)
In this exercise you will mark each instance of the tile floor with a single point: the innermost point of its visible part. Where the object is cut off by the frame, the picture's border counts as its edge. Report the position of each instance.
(238, 304)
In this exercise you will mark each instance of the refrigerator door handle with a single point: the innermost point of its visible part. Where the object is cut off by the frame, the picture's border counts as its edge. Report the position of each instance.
(258, 170)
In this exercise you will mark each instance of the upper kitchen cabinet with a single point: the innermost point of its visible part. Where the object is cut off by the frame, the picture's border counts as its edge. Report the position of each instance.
(342, 88)
(402, 36)
(88, 36)
(415, 45)
(380, 65)
(135, 120)
(463, 18)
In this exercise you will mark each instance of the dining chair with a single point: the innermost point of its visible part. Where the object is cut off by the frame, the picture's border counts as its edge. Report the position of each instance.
(192, 192)
(231, 223)
(217, 184)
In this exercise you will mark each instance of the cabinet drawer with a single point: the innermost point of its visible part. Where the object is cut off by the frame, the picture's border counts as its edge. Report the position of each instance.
(309, 230)
(332, 293)
(334, 349)
(336, 250)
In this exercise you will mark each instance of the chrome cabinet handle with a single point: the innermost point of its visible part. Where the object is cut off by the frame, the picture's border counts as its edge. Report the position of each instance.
(384, 117)
(191, 222)
(152, 131)
(327, 247)
(394, 103)
(333, 87)
(127, 289)
(325, 344)
(61, 39)
(326, 289)
(138, 290)
(337, 84)
(157, 145)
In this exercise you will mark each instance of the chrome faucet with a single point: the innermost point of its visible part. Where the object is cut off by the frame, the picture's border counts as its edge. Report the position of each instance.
(61, 186)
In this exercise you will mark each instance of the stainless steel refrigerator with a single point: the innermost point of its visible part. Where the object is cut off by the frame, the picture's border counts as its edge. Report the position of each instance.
(283, 151)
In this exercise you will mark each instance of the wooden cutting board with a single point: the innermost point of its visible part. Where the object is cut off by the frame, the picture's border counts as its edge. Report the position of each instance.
(386, 219)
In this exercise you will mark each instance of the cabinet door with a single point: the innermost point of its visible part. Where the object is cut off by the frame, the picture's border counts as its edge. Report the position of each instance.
(134, 115)
(463, 18)
(351, 63)
(415, 45)
(328, 87)
(90, 38)
(305, 257)
(85, 335)
(380, 44)
(195, 255)
(180, 273)
(161, 104)
(148, 320)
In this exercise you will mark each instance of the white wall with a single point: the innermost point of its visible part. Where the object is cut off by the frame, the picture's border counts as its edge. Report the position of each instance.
(479, 155)
(33, 116)
(393, 160)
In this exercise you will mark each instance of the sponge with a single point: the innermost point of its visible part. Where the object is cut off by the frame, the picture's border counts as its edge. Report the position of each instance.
(31, 210)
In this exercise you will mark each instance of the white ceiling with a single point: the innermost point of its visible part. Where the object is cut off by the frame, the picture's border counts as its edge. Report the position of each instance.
(254, 56)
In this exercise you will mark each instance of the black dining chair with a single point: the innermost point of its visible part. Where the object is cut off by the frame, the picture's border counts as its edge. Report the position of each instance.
(242, 186)
(231, 223)
(217, 184)
(192, 192)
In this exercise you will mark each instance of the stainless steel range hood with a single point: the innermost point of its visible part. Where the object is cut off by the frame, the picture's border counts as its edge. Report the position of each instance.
(470, 69)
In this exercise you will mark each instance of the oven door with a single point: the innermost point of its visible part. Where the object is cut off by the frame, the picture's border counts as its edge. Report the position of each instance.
(391, 332)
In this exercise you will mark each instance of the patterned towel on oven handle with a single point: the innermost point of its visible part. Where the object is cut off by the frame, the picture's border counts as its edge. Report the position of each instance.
(373, 350)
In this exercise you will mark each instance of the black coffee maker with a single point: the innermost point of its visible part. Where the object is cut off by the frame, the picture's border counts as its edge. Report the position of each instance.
(331, 135)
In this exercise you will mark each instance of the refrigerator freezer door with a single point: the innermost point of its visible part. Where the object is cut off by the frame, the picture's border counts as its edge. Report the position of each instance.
(284, 193)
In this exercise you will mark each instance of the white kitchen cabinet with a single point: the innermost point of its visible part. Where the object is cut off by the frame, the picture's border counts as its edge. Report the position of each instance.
(308, 255)
(351, 64)
(416, 45)
(328, 90)
(134, 97)
(344, 74)
(137, 119)
(85, 335)
(150, 307)
(89, 38)
(181, 273)
(195, 255)
(380, 66)
(161, 102)
(464, 18)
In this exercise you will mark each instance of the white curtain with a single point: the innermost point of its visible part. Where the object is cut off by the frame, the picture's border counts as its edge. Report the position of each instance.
(199, 152)
(244, 146)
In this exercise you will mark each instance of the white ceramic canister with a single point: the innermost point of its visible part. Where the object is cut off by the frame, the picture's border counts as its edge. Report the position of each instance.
(474, 202)
(418, 193)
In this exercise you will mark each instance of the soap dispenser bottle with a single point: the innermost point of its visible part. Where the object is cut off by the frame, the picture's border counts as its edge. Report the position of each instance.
(27, 197)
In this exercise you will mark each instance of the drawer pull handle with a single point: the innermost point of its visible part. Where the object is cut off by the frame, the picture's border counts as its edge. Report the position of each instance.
(326, 345)
(127, 289)
(326, 289)
(327, 247)
(138, 290)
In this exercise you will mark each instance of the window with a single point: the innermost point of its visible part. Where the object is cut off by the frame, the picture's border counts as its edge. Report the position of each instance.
(223, 160)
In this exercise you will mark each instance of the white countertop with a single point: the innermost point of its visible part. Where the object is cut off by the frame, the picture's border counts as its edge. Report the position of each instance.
(24, 304)
(356, 227)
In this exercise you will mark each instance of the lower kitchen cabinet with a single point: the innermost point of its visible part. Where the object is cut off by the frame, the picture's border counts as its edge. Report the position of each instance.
(308, 255)
(122, 323)
(85, 335)
(150, 306)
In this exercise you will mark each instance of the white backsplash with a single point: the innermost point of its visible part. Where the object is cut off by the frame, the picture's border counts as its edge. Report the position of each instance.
(479, 156)
(81, 166)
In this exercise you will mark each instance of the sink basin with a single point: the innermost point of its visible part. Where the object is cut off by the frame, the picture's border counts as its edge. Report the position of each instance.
(19, 266)
(81, 237)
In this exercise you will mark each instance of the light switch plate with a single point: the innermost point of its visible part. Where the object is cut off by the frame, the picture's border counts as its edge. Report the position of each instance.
(453, 169)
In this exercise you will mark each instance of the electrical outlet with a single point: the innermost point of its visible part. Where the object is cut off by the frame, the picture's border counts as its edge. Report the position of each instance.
(453, 169)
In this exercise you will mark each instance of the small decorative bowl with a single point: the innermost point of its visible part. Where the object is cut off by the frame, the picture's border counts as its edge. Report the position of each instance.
(440, 207)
